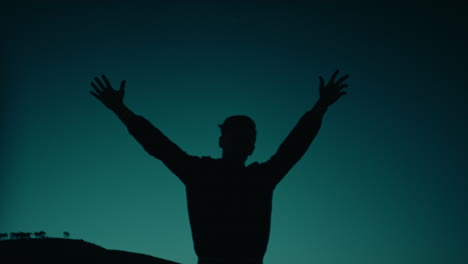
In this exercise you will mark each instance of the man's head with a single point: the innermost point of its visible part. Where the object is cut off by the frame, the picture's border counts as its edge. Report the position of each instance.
(238, 134)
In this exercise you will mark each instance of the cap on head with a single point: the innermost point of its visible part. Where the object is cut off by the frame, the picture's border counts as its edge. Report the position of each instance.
(239, 124)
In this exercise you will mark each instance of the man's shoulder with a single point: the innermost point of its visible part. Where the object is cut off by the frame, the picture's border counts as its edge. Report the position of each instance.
(253, 165)
(258, 165)
(207, 161)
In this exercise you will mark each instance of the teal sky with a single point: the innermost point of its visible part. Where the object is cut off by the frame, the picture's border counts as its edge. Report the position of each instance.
(384, 181)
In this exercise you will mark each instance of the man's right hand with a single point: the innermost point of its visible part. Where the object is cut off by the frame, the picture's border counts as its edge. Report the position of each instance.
(112, 99)
(332, 91)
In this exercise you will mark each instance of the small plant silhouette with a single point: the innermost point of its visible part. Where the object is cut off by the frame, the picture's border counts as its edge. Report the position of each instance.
(40, 235)
(20, 235)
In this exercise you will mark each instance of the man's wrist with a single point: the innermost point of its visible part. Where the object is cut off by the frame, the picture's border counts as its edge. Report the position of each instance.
(122, 112)
(320, 107)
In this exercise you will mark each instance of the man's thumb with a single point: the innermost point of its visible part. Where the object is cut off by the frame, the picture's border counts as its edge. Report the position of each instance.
(122, 86)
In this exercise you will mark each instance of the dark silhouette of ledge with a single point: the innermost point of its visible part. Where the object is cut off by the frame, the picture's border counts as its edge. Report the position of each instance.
(58, 250)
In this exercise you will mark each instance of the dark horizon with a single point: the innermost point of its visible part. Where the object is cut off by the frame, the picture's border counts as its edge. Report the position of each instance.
(60, 250)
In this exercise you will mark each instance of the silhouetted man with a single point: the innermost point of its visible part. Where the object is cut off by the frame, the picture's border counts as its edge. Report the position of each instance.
(229, 203)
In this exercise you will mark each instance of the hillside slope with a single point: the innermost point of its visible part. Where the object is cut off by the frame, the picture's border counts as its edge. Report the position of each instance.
(56, 250)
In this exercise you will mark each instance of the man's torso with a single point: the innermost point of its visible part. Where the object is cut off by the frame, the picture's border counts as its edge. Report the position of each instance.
(229, 208)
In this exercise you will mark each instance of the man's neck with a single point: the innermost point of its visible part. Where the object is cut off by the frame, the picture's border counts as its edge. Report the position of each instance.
(234, 162)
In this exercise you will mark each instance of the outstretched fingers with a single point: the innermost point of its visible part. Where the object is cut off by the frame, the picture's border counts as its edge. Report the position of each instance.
(342, 86)
(342, 79)
(94, 94)
(122, 86)
(322, 82)
(332, 79)
(106, 81)
(97, 89)
(101, 85)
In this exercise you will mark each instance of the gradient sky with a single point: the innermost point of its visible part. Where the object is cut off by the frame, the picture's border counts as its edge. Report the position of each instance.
(384, 181)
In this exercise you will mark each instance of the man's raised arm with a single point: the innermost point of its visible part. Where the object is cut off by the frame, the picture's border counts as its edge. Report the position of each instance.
(150, 137)
(302, 135)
